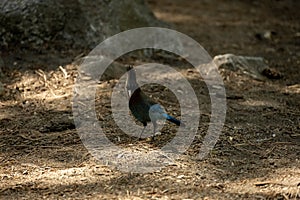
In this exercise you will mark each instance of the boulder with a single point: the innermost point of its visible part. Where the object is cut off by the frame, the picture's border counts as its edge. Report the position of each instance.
(80, 23)
(255, 67)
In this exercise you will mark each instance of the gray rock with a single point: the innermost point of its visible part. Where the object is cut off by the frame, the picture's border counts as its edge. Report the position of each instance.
(83, 23)
(30, 21)
(251, 66)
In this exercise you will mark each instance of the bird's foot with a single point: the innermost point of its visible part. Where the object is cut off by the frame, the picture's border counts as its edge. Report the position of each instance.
(152, 138)
(157, 134)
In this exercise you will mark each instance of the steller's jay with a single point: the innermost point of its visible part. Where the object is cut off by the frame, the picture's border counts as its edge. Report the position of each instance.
(142, 107)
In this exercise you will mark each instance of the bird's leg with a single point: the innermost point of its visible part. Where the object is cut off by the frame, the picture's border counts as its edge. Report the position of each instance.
(142, 131)
(154, 128)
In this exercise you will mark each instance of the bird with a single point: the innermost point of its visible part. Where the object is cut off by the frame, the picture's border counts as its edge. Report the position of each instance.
(142, 107)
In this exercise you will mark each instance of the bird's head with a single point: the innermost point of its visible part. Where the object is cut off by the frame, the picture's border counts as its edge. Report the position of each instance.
(131, 84)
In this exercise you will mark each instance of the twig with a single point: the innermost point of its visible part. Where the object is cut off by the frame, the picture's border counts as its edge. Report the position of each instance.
(43, 75)
(64, 72)
(263, 183)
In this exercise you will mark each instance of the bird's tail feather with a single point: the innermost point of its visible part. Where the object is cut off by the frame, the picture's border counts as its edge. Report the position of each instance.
(173, 120)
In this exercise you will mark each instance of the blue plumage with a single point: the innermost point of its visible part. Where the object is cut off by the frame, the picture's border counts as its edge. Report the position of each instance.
(174, 120)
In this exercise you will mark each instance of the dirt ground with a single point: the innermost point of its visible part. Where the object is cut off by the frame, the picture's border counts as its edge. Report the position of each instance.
(256, 157)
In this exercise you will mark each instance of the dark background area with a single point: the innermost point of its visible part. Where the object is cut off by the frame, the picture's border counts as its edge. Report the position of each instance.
(257, 155)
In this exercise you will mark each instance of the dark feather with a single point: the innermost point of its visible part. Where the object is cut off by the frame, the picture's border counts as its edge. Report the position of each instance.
(140, 104)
